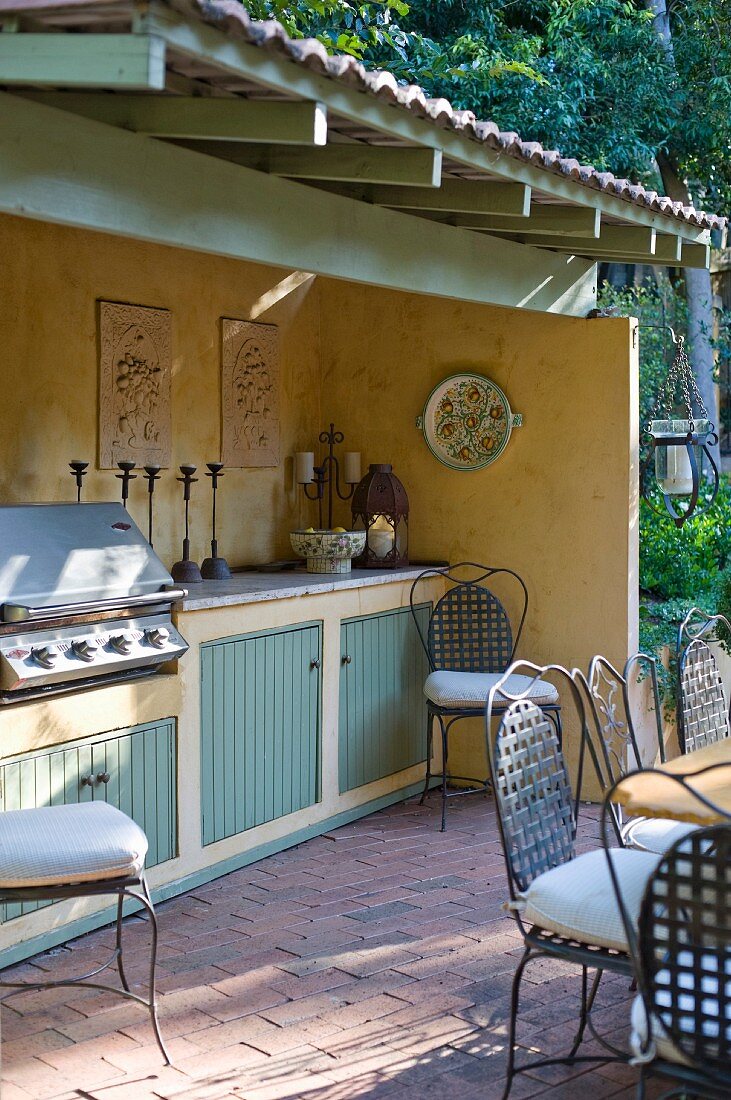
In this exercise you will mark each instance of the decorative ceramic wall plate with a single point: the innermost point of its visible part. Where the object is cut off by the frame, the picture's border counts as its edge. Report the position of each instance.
(467, 421)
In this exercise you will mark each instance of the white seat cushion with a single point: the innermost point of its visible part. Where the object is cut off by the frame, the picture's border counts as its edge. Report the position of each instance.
(662, 1046)
(471, 689)
(577, 899)
(654, 834)
(53, 845)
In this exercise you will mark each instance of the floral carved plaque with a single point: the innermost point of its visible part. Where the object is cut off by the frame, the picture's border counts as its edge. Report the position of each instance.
(134, 385)
(249, 394)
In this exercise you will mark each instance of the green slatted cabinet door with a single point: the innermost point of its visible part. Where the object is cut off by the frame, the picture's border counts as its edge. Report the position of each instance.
(382, 714)
(138, 770)
(260, 728)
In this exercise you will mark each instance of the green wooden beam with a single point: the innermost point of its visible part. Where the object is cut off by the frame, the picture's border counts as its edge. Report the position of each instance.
(83, 60)
(668, 249)
(547, 220)
(695, 255)
(617, 239)
(371, 163)
(206, 43)
(456, 196)
(62, 168)
(194, 117)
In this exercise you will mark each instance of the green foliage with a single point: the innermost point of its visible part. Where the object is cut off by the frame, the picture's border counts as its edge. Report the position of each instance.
(679, 567)
(589, 77)
(686, 563)
(723, 607)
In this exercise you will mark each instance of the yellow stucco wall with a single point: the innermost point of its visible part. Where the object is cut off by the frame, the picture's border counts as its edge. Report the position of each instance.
(555, 506)
(51, 278)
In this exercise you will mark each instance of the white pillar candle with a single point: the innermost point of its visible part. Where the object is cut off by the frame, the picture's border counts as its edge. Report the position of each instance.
(352, 467)
(381, 537)
(304, 467)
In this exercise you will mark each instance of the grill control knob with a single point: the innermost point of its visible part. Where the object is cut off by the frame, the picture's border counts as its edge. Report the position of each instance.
(122, 643)
(45, 656)
(85, 650)
(157, 636)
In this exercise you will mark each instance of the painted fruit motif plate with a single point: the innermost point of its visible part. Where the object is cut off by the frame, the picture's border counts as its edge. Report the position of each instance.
(467, 421)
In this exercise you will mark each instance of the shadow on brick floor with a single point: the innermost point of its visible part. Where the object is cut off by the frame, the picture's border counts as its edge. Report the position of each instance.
(374, 961)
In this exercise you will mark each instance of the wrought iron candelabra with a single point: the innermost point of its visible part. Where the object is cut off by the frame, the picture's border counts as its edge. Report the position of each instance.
(214, 568)
(314, 479)
(125, 477)
(78, 470)
(185, 570)
(151, 475)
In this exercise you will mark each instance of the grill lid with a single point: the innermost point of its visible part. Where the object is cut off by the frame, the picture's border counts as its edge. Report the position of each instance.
(59, 554)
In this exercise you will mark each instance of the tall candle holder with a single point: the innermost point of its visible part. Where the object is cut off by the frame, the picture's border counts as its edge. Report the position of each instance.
(78, 470)
(125, 477)
(214, 568)
(327, 474)
(151, 475)
(185, 570)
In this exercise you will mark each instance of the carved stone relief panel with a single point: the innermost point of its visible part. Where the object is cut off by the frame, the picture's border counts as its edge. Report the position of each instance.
(249, 394)
(135, 368)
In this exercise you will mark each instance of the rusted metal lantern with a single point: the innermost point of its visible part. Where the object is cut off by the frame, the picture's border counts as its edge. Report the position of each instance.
(381, 509)
(679, 440)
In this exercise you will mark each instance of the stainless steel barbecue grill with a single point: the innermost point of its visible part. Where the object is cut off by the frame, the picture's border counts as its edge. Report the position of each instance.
(84, 600)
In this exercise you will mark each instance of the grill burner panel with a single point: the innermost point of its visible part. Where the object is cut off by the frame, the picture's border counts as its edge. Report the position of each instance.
(85, 600)
(43, 657)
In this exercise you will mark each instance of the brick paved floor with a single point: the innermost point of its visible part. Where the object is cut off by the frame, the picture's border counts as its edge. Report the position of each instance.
(374, 961)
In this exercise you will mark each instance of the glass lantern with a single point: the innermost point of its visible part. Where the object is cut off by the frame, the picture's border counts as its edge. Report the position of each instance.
(679, 445)
(381, 509)
(674, 443)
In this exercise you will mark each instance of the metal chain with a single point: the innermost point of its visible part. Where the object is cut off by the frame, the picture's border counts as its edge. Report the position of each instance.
(680, 375)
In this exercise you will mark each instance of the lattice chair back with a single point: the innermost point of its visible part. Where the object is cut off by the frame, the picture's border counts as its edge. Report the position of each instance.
(684, 937)
(469, 628)
(702, 703)
(532, 792)
(617, 751)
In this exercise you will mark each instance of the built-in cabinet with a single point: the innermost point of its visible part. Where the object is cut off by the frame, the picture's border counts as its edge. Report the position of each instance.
(299, 707)
(382, 713)
(134, 769)
(260, 728)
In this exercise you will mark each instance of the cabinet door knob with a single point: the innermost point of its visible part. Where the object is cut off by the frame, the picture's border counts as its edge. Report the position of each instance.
(347, 659)
(103, 777)
(315, 662)
(88, 780)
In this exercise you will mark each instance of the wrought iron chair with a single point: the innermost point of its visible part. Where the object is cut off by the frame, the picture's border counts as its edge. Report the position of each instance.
(681, 950)
(560, 900)
(80, 850)
(703, 710)
(469, 642)
(615, 750)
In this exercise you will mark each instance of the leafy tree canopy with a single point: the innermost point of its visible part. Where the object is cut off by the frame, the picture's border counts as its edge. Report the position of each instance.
(589, 77)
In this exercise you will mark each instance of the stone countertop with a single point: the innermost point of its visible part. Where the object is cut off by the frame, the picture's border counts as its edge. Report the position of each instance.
(252, 587)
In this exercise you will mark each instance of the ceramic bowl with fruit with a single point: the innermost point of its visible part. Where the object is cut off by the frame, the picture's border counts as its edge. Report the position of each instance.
(328, 551)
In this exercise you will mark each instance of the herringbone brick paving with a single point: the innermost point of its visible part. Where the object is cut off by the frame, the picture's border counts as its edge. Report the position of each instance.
(372, 962)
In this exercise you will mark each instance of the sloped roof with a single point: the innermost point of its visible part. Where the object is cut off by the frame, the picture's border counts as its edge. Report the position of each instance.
(271, 35)
(233, 20)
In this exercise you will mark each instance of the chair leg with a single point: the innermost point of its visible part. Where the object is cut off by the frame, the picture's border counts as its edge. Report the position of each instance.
(514, 1004)
(584, 1011)
(642, 1084)
(429, 746)
(445, 751)
(120, 962)
(146, 900)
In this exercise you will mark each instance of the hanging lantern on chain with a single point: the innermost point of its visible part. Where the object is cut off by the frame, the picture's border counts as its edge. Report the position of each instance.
(680, 433)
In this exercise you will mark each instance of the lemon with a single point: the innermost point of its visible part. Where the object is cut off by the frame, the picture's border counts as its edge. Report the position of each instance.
(338, 530)
(308, 530)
